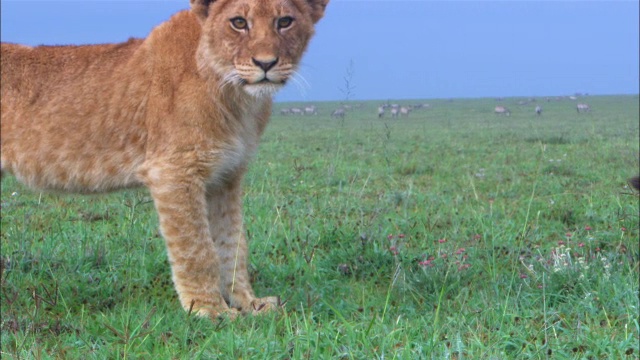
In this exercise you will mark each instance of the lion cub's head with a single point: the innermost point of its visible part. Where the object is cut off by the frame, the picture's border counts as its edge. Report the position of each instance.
(255, 44)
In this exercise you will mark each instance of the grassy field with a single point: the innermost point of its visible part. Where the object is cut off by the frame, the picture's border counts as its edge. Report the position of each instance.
(455, 233)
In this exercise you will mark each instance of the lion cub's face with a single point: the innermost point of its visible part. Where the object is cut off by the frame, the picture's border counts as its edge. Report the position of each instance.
(255, 44)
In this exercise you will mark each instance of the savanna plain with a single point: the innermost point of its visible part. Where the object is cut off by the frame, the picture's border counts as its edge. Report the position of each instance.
(453, 233)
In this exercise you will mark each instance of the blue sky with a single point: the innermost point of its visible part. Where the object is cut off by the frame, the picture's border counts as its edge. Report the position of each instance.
(402, 49)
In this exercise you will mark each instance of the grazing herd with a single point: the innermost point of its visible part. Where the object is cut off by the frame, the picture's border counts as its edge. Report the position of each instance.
(502, 110)
(395, 111)
(307, 110)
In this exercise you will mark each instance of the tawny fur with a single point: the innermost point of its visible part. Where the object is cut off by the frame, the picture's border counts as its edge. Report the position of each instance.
(180, 112)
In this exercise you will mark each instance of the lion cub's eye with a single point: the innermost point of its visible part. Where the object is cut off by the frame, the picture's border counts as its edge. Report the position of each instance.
(285, 22)
(239, 23)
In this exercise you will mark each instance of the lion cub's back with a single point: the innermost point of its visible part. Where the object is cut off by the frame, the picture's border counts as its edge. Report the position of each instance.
(36, 71)
(72, 116)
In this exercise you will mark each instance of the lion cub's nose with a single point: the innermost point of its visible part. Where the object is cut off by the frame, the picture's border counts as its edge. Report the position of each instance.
(265, 65)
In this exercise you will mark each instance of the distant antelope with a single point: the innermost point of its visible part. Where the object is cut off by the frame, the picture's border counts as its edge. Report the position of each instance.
(501, 110)
(311, 110)
(394, 112)
(338, 113)
(285, 112)
(538, 110)
(583, 108)
(380, 112)
(296, 111)
(404, 111)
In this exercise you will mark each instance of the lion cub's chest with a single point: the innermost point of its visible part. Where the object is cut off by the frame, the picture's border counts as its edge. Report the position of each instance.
(238, 149)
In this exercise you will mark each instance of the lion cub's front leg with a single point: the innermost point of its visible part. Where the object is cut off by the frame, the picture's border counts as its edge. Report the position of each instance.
(202, 227)
(179, 194)
(225, 219)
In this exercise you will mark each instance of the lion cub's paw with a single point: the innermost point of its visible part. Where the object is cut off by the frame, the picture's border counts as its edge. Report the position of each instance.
(218, 313)
(230, 314)
(212, 309)
(264, 305)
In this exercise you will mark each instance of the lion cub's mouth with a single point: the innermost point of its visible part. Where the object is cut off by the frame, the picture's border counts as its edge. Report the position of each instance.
(266, 81)
(264, 84)
(263, 87)
(263, 80)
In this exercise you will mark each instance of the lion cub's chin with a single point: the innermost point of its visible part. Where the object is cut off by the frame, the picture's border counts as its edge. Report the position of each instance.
(262, 90)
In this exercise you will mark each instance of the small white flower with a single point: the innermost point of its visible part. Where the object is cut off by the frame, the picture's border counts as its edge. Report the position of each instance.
(15, 193)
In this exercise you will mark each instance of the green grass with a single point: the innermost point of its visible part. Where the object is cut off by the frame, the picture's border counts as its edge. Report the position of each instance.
(453, 234)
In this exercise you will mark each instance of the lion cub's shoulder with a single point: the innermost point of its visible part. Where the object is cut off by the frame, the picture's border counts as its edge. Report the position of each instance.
(181, 31)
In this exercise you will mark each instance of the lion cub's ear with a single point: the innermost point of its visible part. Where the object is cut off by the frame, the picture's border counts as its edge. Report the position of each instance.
(317, 9)
(201, 8)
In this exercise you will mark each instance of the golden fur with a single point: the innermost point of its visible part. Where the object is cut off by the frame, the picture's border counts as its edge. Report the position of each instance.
(180, 112)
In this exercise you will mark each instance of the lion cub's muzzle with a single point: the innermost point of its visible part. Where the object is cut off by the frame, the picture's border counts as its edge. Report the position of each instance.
(266, 72)
(261, 70)
(266, 76)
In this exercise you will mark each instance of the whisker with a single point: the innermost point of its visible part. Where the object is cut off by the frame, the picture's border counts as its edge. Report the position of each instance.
(297, 74)
(301, 83)
(229, 79)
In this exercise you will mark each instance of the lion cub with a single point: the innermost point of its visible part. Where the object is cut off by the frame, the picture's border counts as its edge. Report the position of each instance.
(180, 112)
